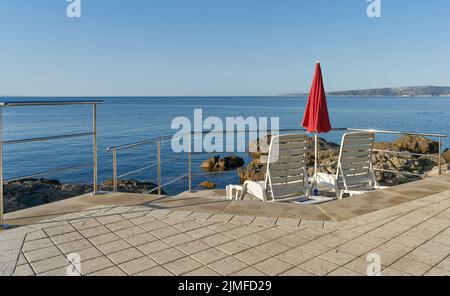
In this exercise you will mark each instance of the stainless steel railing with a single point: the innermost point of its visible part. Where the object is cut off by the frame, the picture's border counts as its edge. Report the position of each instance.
(189, 175)
(92, 133)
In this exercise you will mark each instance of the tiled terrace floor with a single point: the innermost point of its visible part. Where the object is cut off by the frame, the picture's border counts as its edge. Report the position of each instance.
(412, 238)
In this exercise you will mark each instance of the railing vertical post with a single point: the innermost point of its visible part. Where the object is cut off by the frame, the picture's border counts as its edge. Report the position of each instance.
(115, 170)
(158, 147)
(1, 168)
(440, 155)
(94, 146)
(190, 171)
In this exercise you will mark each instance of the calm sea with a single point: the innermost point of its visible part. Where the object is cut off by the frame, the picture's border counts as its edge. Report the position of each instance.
(125, 120)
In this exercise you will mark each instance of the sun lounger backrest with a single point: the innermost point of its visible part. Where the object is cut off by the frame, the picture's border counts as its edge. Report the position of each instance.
(355, 161)
(286, 168)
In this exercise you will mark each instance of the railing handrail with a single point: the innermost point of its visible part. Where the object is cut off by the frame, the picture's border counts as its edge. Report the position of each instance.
(398, 132)
(49, 103)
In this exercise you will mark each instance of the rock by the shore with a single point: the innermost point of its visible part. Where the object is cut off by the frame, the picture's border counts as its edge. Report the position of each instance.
(216, 163)
(28, 193)
(208, 185)
(447, 155)
(417, 144)
(130, 186)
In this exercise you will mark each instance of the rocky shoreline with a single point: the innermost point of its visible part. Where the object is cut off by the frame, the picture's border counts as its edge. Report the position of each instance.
(28, 193)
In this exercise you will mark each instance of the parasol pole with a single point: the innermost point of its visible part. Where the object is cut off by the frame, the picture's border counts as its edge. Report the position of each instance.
(315, 161)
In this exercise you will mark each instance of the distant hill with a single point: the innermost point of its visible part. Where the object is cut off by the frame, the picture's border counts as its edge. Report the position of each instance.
(410, 91)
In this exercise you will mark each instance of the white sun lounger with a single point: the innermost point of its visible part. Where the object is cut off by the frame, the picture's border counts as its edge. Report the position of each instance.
(354, 171)
(286, 175)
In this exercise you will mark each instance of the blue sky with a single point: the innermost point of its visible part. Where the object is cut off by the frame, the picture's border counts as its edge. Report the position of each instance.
(219, 47)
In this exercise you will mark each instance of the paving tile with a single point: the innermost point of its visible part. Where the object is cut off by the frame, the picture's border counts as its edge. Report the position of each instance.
(187, 225)
(319, 266)
(94, 231)
(35, 235)
(89, 253)
(167, 255)
(265, 220)
(249, 271)
(140, 239)
(220, 218)
(242, 220)
(24, 270)
(369, 240)
(200, 216)
(119, 225)
(338, 257)
(96, 264)
(75, 246)
(49, 264)
(411, 267)
(288, 222)
(237, 232)
(445, 264)
(155, 271)
(125, 255)
(389, 271)
(296, 272)
(165, 232)
(252, 256)
(61, 271)
(193, 247)
(178, 239)
(425, 257)
(59, 230)
(160, 213)
(201, 232)
(293, 240)
(233, 247)
(153, 247)
(217, 239)
(435, 248)
(312, 224)
(227, 266)
(273, 233)
(182, 265)
(295, 256)
(254, 239)
(354, 248)
(104, 238)
(67, 237)
(154, 225)
(86, 224)
(438, 272)
(113, 247)
(331, 240)
(111, 271)
(138, 265)
(202, 271)
(273, 248)
(342, 271)
(37, 244)
(107, 219)
(42, 254)
(273, 266)
(210, 255)
(314, 248)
